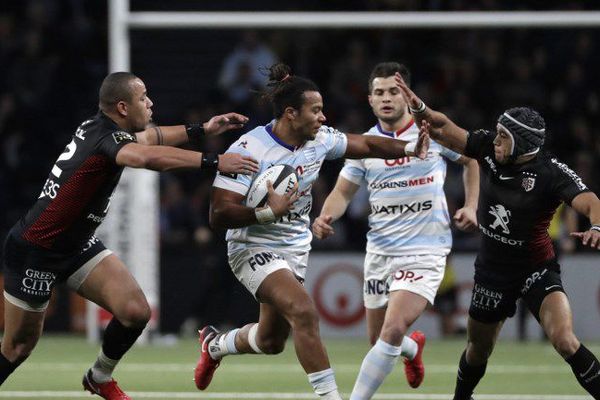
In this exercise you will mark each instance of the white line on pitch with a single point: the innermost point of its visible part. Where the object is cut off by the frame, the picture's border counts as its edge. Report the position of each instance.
(287, 368)
(194, 395)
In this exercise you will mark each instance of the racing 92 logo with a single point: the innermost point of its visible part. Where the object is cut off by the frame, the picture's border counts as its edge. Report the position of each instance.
(397, 161)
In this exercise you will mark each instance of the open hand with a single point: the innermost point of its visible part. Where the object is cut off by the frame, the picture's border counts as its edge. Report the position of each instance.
(281, 204)
(423, 142)
(588, 238)
(222, 123)
(235, 163)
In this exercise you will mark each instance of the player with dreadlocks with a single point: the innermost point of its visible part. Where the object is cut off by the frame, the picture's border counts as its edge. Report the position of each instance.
(521, 187)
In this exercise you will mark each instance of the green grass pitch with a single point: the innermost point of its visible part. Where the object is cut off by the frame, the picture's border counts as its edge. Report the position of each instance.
(516, 369)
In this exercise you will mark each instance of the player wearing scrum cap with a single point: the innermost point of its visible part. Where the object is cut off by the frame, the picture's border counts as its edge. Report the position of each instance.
(521, 187)
(268, 247)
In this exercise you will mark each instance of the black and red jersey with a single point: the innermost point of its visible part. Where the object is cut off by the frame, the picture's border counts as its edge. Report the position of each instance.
(76, 195)
(516, 204)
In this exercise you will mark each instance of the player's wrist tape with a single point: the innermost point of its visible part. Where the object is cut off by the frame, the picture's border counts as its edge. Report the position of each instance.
(265, 215)
(210, 161)
(194, 131)
(595, 228)
(409, 148)
(419, 109)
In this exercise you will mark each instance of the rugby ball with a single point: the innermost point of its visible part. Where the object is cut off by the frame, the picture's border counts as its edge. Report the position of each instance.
(283, 177)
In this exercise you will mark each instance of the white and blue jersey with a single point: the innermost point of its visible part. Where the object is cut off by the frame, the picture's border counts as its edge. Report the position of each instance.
(290, 232)
(409, 213)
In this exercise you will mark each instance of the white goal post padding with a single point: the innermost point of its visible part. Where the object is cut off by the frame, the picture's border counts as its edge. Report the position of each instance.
(142, 201)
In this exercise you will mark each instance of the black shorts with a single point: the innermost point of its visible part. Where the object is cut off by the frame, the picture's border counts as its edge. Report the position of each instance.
(31, 272)
(493, 303)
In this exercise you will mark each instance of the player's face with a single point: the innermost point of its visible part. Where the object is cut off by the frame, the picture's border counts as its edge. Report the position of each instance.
(310, 117)
(502, 145)
(139, 109)
(386, 100)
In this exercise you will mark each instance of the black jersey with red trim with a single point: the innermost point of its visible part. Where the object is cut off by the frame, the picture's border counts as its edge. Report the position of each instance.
(76, 195)
(516, 204)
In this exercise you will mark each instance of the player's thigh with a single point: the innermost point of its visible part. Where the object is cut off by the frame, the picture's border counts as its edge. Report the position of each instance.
(22, 329)
(403, 309)
(375, 318)
(282, 290)
(555, 315)
(111, 286)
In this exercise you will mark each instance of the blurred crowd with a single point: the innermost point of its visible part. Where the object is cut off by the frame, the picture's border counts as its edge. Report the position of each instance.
(53, 56)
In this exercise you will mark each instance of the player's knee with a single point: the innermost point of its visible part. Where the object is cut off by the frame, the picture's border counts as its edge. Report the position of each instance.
(565, 343)
(304, 316)
(480, 350)
(19, 350)
(135, 314)
(393, 333)
(272, 345)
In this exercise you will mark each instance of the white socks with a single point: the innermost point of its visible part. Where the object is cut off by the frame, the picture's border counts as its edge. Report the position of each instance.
(103, 368)
(409, 347)
(223, 345)
(376, 366)
(323, 383)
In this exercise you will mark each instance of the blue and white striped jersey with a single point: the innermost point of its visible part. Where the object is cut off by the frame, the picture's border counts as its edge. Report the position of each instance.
(292, 231)
(409, 213)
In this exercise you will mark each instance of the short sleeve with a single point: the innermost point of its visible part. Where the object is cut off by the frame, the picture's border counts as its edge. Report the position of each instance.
(111, 143)
(565, 182)
(354, 171)
(450, 154)
(238, 183)
(335, 142)
(480, 143)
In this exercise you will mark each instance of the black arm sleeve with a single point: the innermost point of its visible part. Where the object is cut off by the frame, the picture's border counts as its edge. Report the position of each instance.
(480, 143)
(565, 182)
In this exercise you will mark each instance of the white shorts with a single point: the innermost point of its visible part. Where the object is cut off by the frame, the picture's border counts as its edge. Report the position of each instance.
(420, 274)
(252, 265)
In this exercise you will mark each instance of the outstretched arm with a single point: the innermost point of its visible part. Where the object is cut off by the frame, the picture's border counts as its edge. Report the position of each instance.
(177, 135)
(588, 204)
(442, 129)
(366, 146)
(166, 158)
(334, 207)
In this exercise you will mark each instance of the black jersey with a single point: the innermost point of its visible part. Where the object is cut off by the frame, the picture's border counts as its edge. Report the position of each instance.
(76, 195)
(516, 204)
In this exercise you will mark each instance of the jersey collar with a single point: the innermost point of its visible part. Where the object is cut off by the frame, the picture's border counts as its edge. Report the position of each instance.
(398, 132)
(269, 129)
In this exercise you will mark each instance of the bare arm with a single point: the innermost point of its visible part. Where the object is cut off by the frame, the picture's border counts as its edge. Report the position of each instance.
(466, 217)
(588, 204)
(166, 158)
(442, 130)
(334, 207)
(366, 146)
(227, 210)
(178, 134)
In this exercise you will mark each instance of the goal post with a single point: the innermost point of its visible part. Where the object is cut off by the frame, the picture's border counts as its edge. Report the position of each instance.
(131, 228)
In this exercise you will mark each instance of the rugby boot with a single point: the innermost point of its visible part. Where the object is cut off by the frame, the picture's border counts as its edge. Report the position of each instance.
(206, 364)
(414, 369)
(108, 390)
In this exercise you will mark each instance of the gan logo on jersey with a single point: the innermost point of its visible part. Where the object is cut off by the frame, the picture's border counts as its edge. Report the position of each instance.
(120, 136)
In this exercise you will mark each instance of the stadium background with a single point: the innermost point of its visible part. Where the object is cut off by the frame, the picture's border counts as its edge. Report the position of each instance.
(53, 56)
